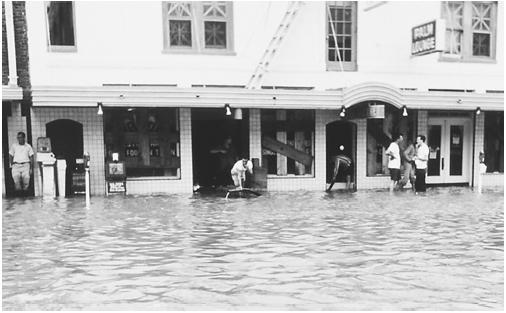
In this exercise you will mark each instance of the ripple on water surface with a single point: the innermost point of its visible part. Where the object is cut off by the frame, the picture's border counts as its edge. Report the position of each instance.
(298, 250)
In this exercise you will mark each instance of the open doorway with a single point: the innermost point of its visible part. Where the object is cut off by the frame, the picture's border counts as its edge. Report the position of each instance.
(340, 138)
(67, 143)
(218, 141)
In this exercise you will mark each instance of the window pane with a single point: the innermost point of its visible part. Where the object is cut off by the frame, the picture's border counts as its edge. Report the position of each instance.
(494, 142)
(147, 140)
(215, 34)
(340, 28)
(347, 15)
(340, 22)
(61, 23)
(347, 55)
(347, 28)
(180, 33)
(434, 143)
(481, 44)
(456, 149)
(453, 41)
(347, 42)
(332, 55)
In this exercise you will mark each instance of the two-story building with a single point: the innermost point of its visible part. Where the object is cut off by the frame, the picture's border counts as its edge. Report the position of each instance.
(291, 84)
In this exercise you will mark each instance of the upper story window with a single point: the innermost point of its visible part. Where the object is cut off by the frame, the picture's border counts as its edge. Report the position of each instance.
(470, 29)
(196, 27)
(60, 25)
(341, 35)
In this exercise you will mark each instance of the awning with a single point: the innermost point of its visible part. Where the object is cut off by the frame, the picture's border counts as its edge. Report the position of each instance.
(166, 96)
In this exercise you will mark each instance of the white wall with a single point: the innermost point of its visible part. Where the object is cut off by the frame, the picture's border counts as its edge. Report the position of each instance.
(122, 42)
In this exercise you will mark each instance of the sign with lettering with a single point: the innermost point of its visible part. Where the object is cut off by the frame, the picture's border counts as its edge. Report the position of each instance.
(116, 186)
(423, 38)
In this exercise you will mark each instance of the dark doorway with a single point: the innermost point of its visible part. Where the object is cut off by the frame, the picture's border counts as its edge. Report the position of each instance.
(67, 143)
(340, 140)
(210, 128)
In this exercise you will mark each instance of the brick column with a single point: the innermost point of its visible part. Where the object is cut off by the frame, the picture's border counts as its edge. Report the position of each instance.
(422, 123)
(479, 141)
(361, 162)
(255, 135)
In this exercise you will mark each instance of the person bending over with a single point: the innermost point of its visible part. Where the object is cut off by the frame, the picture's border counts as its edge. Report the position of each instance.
(238, 172)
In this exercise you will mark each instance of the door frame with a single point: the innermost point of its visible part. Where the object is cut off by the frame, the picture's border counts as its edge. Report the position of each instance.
(444, 163)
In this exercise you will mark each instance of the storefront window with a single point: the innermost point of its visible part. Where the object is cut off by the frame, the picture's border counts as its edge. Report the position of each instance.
(379, 134)
(494, 142)
(146, 139)
(288, 142)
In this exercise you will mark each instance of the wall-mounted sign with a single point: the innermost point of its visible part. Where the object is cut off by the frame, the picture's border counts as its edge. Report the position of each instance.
(427, 38)
(376, 111)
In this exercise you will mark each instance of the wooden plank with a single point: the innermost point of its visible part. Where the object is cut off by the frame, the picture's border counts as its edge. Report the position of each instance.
(286, 150)
(281, 136)
(300, 169)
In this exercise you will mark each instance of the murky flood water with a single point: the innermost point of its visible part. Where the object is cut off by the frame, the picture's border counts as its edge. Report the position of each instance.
(367, 250)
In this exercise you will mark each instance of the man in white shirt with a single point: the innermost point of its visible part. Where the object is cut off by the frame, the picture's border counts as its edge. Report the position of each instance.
(394, 161)
(21, 163)
(238, 171)
(421, 158)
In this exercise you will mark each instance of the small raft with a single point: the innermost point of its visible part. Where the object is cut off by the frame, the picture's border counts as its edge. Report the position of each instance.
(241, 193)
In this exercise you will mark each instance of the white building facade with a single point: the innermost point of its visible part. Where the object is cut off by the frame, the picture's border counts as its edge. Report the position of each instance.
(163, 72)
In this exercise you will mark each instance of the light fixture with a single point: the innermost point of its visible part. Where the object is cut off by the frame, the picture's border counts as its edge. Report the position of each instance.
(343, 111)
(227, 109)
(100, 112)
(404, 111)
(238, 114)
(478, 111)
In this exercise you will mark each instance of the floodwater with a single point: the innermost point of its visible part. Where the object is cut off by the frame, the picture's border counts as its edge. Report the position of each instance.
(299, 250)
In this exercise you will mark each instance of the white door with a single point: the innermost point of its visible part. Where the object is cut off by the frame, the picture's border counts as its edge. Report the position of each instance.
(449, 141)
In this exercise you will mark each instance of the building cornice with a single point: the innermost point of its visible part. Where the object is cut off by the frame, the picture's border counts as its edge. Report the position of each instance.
(10, 93)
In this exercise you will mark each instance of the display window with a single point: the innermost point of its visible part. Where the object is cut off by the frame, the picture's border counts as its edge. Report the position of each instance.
(288, 142)
(146, 139)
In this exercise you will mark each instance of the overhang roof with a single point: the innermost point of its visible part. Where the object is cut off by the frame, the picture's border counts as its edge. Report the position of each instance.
(163, 96)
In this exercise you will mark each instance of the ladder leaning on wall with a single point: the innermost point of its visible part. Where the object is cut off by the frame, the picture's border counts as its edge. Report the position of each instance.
(255, 81)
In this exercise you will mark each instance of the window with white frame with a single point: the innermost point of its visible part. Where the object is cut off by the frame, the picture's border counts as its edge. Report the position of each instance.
(341, 35)
(196, 27)
(60, 25)
(470, 29)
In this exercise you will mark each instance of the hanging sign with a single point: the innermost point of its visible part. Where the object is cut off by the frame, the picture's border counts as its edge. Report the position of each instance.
(376, 111)
(426, 38)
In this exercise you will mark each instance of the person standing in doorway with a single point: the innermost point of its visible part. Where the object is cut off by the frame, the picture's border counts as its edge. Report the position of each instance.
(409, 165)
(394, 161)
(421, 158)
(21, 163)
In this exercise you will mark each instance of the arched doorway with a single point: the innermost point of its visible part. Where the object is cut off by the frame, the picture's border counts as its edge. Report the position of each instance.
(67, 143)
(341, 139)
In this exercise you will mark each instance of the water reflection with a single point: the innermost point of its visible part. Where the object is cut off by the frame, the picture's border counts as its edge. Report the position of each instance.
(306, 251)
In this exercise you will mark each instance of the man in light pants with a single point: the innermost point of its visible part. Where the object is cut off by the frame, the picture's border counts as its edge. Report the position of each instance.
(21, 163)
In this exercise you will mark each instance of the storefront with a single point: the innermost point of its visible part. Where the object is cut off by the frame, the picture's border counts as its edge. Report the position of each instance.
(167, 142)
